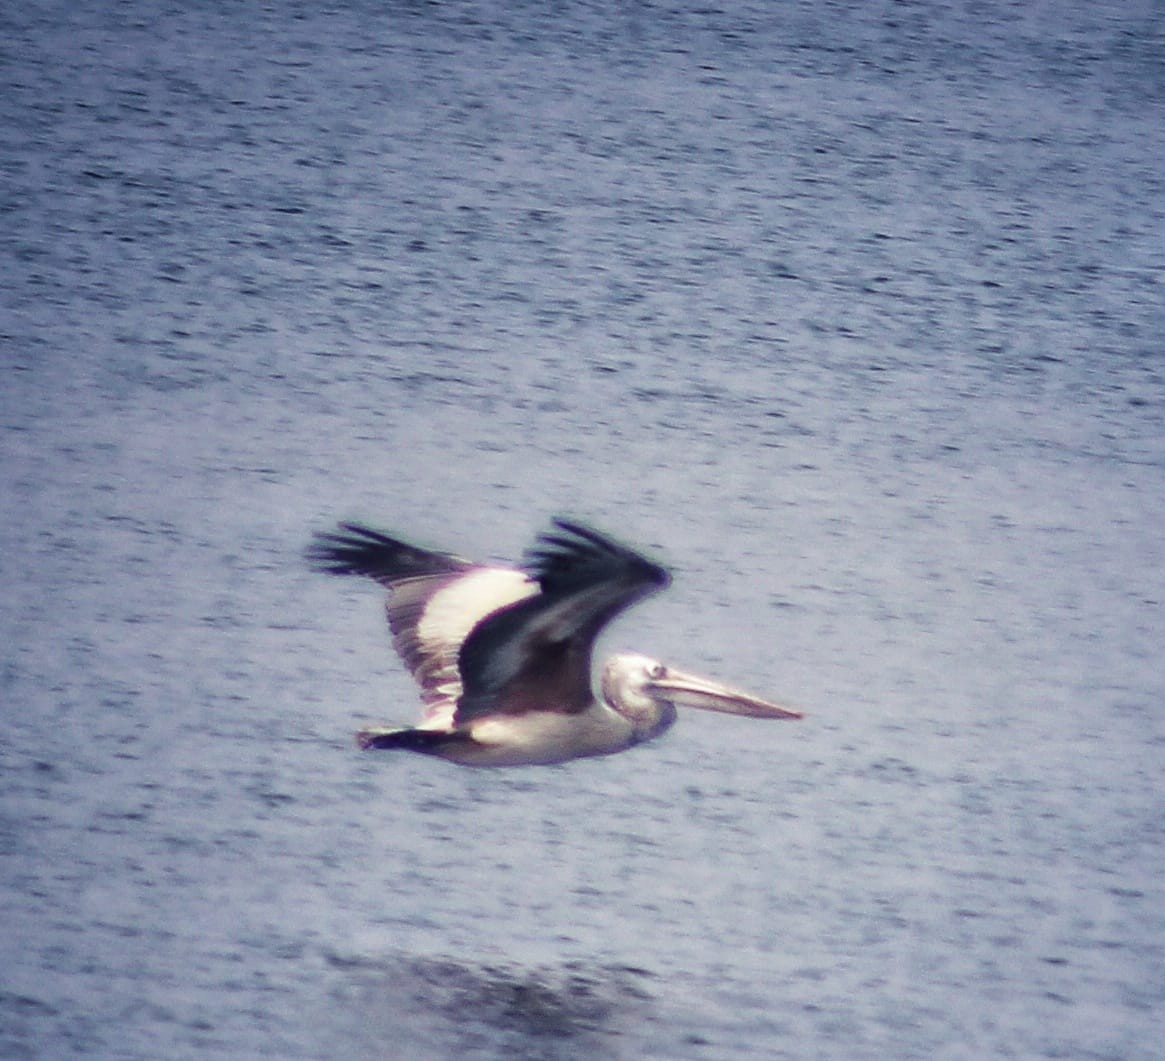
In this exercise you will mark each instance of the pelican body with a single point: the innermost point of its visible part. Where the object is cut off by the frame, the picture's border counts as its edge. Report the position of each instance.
(503, 655)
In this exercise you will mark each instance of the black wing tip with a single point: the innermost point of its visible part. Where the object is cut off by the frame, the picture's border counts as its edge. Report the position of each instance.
(571, 545)
(339, 552)
(357, 549)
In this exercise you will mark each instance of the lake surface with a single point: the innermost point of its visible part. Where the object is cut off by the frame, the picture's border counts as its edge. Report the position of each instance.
(850, 313)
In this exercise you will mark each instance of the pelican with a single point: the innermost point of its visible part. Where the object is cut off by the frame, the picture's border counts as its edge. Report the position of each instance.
(503, 654)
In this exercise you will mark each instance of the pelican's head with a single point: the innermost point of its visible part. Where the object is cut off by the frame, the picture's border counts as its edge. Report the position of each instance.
(646, 692)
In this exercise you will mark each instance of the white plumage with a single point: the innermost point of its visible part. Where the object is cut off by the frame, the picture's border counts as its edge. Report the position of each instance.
(503, 655)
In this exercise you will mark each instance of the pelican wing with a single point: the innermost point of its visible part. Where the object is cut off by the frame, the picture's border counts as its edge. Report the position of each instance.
(435, 600)
(359, 550)
(535, 654)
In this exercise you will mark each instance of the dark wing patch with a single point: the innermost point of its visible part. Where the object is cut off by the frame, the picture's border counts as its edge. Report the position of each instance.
(579, 556)
(536, 654)
(359, 550)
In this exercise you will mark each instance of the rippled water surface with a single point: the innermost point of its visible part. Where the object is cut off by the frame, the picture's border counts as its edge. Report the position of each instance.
(850, 313)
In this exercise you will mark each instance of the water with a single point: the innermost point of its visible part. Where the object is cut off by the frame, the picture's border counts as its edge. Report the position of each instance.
(849, 313)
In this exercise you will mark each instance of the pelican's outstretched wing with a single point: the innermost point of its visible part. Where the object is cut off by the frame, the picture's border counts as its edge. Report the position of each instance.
(435, 600)
(536, 653)
(359, 550)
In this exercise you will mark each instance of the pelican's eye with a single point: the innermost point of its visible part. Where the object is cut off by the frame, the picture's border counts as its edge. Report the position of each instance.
(656, 671)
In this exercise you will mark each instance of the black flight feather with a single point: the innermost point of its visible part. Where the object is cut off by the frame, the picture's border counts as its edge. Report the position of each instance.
(537, 652)
(359, 550)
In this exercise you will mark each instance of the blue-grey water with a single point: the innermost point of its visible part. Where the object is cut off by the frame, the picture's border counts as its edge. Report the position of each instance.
(849, 312)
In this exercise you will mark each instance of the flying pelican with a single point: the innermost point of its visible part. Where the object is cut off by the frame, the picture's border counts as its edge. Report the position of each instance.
(503, 654)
